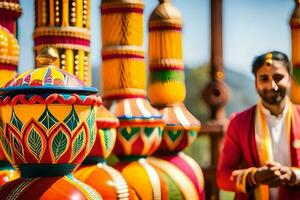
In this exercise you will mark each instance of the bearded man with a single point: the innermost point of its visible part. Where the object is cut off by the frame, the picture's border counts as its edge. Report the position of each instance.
(260, 158)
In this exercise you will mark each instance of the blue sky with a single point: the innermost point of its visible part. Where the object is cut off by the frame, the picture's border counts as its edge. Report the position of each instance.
(249, 28)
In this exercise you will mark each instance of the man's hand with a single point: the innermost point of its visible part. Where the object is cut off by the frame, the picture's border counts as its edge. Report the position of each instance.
(268, 175)
(287, 175)
(274, 175)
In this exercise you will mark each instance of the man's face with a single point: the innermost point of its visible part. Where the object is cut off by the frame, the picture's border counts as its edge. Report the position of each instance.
(272, 82)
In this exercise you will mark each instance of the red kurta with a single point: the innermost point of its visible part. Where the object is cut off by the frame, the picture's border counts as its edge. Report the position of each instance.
(240, 152)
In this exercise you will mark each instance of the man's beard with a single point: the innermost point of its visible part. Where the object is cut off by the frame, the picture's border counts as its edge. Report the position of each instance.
(273, 97)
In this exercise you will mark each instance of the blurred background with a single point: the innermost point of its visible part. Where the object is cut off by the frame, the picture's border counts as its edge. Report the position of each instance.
(249, 29)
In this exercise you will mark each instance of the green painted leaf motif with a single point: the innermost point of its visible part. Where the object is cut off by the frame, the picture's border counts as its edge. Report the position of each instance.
(129, 132)
(47, 119)
(148, 131)
(92, 137)
(91, 119)
(72, 120)
(91, 126)
(160, 132)
(59, 144)
(35, 143)
(174, 134)
(18, 147)
(15, 121)
(108, 138)
(77, 144)
(5, 145)
(193, 133)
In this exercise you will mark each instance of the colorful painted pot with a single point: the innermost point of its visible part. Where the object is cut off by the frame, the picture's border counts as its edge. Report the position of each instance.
(94, 171)
(182, 174)
(140, 130)
(181, 129)
(47, 128)
(106, 181)
(106, 124)
(141, 176)
(48, 188)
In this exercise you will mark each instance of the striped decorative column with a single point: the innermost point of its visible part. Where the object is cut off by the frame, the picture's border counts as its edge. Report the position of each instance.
(295, 31)
(123, 65)
(165, 56)
(10, 10)
(124, 93)
(167, 92)
(65, 25)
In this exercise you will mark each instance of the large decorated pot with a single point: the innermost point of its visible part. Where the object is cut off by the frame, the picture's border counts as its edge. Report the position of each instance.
(47, 129)
(140, 130)
(94, 171)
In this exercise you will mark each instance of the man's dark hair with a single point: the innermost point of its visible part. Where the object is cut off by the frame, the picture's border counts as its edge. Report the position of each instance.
(259, 61)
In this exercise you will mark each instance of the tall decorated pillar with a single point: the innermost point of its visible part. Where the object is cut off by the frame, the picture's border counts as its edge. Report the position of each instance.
(47, 145)
(65, 25)
(295, 31)
(9, 58)
(124, 94)
(10, 11)
(167, 92)
(9, 49)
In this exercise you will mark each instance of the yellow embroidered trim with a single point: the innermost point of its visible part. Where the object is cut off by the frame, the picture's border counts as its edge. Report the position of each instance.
(124, 91)
(69, 31)
(62, 46)
(154, 179)
(14, 60)
(119, 182)
(11, 6)
(87, 191)
(165, 22)
(241, 180)
(137, 50)
(167, 62)
(126, 4)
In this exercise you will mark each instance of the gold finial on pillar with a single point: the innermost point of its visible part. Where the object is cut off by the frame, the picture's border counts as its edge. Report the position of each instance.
(47, 57)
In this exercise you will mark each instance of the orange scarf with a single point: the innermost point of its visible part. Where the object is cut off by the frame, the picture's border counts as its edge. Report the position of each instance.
(264, 143)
